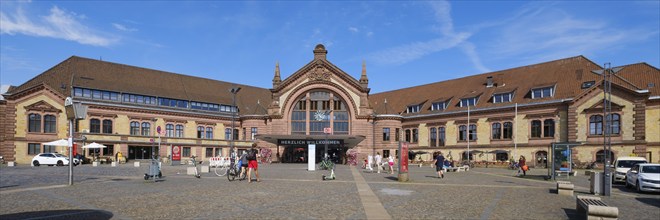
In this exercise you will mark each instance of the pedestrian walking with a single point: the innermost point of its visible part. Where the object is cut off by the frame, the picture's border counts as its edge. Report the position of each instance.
(243, 161)
(252, 163)
(390, 161)
(439, 161)
(522, 165)
(379, 161)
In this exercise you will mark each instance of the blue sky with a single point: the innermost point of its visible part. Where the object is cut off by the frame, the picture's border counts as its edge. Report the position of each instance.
(403, 43)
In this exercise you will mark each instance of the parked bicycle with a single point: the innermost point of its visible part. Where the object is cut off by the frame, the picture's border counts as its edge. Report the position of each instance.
(221, 168)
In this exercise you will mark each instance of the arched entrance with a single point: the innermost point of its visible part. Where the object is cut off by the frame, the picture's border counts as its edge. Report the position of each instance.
(541, 159)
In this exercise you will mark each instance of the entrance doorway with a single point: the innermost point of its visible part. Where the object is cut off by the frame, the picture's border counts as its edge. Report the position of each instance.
(298, 153)
(139, 152)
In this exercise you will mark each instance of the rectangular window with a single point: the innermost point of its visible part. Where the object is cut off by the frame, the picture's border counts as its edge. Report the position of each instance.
(386, 134)
(413, 109)
(468, 102)
(87, 93)
(473, 132)
(503, 97)
(209, 152)
(253, 132)
(441, 136)
(49, 149)
(397, 134)
(186, 152)
(96, 94)
(109, 150)
(407, 138)
(438, 106)
(33, 149)
(77, 92)
(543, 92)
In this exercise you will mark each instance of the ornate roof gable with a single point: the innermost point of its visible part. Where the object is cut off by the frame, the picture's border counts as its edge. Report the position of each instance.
(320, 69)
(42, 106)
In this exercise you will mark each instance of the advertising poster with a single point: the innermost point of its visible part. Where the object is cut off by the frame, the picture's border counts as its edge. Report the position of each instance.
(403, 159)
(176, 153)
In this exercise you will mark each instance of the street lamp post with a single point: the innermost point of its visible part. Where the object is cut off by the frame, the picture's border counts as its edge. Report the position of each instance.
(373, 135)
(234, 110)
(325, 150)
(74, 111)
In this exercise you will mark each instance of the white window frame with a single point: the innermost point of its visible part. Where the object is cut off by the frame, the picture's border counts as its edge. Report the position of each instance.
(502, 95)
(438, 106)
(552, 92)
(476, 99)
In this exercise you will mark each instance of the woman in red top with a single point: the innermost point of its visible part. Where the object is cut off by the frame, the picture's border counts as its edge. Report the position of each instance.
(521, 163)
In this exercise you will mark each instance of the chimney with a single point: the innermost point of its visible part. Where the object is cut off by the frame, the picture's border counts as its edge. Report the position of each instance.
(489, 82)
(320, 52)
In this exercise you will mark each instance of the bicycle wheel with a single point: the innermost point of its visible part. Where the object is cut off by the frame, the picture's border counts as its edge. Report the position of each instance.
(231, 174)
(220, 170)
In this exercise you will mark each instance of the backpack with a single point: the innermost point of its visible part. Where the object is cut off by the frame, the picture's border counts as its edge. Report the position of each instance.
(252, 155)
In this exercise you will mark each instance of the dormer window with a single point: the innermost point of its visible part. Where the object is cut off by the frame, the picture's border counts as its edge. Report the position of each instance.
(502, 97)
(413, 109)
(543, 92)
(588, 84)
(468, 102)
(438, 106)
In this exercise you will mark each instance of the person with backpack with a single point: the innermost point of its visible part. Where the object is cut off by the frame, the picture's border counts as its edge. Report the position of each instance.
(252, 163)
(439, 161)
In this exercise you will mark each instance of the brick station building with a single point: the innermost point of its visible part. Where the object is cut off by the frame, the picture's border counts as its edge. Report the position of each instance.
(518, 111)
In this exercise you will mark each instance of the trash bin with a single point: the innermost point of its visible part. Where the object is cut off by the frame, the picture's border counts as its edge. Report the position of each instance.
(596, 186)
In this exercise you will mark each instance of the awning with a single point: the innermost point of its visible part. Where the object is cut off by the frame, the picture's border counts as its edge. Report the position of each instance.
(349, 141)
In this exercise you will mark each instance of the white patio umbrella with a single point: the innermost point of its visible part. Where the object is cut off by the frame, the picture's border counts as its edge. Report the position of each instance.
(61, 142)
(94, 145)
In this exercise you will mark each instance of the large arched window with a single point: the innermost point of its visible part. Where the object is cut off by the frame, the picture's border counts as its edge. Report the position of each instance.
(601, 154)
(316, 110)
(536, 128)
(496, 131)
(179, 131)
(473, 132)
(596, 125)
(169, 130)
(34, 123)
(508, 130)
(548, 128)
(615, 123)
(200, 132)
(462, 133)
(50, 124)
(94, 126)
(227, 133)
(209, 133)
(441, 136)
(107, 126)
(146, 128)
(135, 128)
(433, 137)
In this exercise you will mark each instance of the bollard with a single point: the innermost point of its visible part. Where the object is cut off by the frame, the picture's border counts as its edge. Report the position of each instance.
(136, 164)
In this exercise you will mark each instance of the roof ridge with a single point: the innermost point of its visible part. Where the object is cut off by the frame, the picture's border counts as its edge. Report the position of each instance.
(492, 72)
(163, 71)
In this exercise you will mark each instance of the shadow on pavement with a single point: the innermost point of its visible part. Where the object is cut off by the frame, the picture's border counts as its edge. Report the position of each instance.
(392, 178)
(572, 213)
(650, 201)
(61, 214)
(434, 177)
(7, 186)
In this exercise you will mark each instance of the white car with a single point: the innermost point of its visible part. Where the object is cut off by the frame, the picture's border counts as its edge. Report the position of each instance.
(622, 165)
(50, 159)
(644, 177)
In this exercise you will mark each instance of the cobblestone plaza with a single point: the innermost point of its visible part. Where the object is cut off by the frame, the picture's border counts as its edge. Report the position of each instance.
(289, 191)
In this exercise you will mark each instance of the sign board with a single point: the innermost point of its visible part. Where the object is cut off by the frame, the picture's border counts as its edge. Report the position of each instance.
(403, 157)
(308, 142)
(327, 130)
(151, 140)
(311, 157)
(176, 154)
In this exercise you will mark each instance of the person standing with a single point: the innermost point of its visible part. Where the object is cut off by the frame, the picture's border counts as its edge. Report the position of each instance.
(243, 161)
(370, 161)
(390, 161)
(522, 165)
(379, 161)
(252, 164)
(439, 161)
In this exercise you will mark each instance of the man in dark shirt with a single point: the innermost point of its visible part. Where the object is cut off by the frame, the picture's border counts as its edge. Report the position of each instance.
(439, 161)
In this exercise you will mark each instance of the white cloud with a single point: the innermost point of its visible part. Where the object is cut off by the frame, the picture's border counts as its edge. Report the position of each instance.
(541, 33)
(449, 38)
(123, 28)
(3, 89)
(354, 29)
(58, 24)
